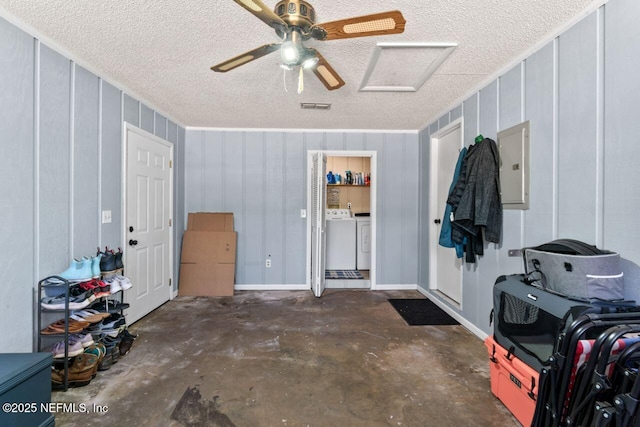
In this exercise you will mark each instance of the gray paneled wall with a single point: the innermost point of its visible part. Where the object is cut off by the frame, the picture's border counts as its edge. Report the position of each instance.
(61, 142)
(261, 178)
(580, 94)
(17, 230)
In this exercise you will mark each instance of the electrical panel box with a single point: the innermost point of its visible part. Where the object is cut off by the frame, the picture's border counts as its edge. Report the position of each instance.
(513, 145)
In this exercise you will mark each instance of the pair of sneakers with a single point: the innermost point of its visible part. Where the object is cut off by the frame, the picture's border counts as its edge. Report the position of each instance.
(76, 345)
(118, 283)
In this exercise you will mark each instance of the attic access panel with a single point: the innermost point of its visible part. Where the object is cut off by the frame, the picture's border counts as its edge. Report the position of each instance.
(418, 61)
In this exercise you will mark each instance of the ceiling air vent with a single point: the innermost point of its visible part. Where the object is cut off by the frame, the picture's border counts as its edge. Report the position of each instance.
(314, 106)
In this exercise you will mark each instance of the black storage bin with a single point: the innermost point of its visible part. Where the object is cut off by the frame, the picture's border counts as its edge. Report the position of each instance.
(25, 389)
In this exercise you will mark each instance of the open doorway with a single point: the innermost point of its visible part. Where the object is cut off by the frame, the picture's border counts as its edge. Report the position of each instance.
(341, 228)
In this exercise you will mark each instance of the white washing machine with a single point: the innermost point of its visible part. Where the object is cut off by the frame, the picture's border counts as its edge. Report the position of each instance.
(363, 243)
(341, 240)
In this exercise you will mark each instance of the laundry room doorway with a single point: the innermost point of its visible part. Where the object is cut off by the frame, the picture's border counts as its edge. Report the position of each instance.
(341, 226)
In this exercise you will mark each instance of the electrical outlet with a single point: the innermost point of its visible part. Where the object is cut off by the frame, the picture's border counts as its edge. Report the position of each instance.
(268, 263)
(349, 205)
(106, 217)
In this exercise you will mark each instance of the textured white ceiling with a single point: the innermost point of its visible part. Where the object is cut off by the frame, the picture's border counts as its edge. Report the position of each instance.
(162, 50)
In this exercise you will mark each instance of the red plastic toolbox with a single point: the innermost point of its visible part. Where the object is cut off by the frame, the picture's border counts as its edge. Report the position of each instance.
(513, 382)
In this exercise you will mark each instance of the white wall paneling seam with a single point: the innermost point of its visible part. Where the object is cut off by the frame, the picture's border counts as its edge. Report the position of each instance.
(36, 166)
(72, 137)
(600, 123)
(100, 183)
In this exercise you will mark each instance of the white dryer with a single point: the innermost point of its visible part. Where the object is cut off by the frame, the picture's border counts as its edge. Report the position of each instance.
(341, 240)
(363, 243)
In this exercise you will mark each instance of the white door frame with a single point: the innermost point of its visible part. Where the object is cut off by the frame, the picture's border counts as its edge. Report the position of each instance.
(373, 200)
(433, 202)
(128, 127)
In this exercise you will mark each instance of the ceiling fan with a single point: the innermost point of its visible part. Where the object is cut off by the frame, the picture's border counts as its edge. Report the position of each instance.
(294, 21)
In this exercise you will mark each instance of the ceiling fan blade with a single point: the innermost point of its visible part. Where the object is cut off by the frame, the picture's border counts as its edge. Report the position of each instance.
(263, 13)
(391, 22)
(245, 58)
(327, 74)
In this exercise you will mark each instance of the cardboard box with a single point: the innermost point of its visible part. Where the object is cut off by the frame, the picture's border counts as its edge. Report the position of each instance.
(210, 280)
(209, 221)
(208, 260)
(206, 247)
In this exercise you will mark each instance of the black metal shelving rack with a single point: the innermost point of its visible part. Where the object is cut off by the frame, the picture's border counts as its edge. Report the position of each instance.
(43, 284)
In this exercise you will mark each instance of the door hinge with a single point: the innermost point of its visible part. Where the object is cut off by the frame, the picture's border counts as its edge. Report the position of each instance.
(170, 164)
(169, 282)
(170, 223)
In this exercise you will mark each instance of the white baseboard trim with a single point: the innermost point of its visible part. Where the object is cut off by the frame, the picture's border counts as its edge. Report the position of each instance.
(347, 284)
(275, 287)
(453, 313)
(395, 287)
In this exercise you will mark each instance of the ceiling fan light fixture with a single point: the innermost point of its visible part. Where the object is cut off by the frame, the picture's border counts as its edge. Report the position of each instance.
(289, 53)
(310, 63)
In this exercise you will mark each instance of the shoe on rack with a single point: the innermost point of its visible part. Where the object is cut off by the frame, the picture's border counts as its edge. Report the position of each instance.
(75, 348)
(95, 266)
(78, 271)
(125, 344)
(107, 360)
(58, 326)
(85, 339)
(125, 282)
(103, 290)
(107, 261)
(89, 312)
(98, 349)
(118, 259)
(114, 321)
(114, 284)
(84, 316)
(109, 306)
(80, 373)
(54, 286)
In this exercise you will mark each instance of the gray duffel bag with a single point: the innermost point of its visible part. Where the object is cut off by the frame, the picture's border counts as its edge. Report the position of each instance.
(575, 269)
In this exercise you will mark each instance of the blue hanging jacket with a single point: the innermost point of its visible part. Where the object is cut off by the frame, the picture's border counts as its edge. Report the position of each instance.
(445, 232)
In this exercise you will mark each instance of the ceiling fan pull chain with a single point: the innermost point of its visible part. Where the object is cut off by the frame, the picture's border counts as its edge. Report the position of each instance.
(284, 79)
(300, 81)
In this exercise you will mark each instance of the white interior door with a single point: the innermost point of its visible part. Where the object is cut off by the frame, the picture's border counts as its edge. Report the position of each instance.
(318, 224)
(148, 228)
(448, 271)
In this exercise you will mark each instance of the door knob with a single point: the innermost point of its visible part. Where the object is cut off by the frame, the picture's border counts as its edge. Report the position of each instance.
(436, 221)
(133, 242)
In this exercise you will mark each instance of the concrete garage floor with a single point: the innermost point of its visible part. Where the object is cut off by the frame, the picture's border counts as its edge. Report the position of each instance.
(290, 359)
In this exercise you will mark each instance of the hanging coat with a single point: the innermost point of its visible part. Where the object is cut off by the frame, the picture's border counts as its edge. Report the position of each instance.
(476, 199)
(445, 232)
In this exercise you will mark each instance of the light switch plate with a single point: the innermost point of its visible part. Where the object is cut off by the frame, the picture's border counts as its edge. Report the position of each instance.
(303, 213)
(106, 217)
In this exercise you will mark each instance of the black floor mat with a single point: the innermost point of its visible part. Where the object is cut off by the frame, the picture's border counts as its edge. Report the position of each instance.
(421, 312)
